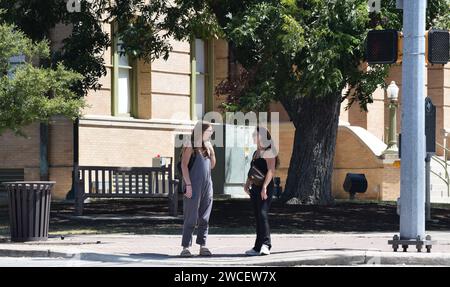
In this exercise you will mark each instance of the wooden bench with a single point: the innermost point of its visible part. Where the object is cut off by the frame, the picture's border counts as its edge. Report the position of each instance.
(10, 174)
(125, 182)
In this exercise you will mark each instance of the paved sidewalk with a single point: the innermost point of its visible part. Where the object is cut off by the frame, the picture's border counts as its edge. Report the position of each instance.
(288, 250)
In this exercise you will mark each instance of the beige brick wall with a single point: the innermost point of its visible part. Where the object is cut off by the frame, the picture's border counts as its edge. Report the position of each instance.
(375, 118)
(20, 152)
(100, 101)
(63, 178)
(351, 152)
(61, 156)
(374, 178)
(126, 143)
(353, 156)
(391, 182)
(144, 90)
(357, 117)
(170, 83)
(32, 173)
(161, 81)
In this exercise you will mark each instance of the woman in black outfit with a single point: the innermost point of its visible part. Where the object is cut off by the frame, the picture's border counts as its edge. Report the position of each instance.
(265, 159)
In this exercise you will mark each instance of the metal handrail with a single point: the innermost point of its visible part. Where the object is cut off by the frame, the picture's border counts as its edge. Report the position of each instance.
(444, 164)
(441, 162)
(439, 176)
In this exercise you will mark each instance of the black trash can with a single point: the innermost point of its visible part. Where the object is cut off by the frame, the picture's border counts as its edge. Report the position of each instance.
(29, 209)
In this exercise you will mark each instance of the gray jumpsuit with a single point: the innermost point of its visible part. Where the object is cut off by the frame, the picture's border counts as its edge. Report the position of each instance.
(197, 209)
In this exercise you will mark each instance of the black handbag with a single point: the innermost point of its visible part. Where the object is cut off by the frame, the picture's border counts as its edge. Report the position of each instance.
(256, 176)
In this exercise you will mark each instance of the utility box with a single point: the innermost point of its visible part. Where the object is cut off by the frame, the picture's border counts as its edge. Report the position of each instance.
(160, 161)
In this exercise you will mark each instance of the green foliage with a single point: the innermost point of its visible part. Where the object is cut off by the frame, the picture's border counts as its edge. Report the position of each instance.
(308, 48)
(30, 93)
(146, 28)
(438, 14)
(139, 28)
(313, 48)
(291, 49)
(85, 46)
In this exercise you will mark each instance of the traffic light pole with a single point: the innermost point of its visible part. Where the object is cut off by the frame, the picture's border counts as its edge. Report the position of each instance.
(412, 197)
(412, 186)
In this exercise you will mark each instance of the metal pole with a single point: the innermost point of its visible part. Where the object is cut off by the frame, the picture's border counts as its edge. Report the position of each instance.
(393, 128)
(412, 197)
(427, 186)
(392, 139)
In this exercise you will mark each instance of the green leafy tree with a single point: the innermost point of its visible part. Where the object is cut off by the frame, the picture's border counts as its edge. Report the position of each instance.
(85, 45)
(29, 92)
(300, 53)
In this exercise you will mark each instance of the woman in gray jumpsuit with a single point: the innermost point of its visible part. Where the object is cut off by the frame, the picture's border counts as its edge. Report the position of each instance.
(198, 199)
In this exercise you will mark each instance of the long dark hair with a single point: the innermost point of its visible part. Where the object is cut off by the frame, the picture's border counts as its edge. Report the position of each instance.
(203, 125)
(268, 145)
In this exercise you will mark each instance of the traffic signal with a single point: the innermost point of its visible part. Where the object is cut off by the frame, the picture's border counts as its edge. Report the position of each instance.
(383, 46)
(438, 46)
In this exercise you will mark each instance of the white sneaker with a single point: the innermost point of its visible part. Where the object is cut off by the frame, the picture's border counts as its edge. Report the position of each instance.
(252, 252)
(264, 250)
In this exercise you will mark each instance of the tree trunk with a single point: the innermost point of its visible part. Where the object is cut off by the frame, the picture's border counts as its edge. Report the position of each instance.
(311, 166)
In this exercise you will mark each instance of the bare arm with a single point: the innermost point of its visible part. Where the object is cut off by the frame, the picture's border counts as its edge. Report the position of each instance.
(270, 170)
(184, 164)
(270, 173)
(213, 157)
(212, 154)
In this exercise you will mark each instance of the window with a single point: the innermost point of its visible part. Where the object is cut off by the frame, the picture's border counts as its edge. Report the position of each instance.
(123, 81)
(14, 62)
(200, 77)
(202, 73)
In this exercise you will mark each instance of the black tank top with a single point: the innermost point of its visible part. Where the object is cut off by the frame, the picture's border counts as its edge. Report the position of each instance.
(261, 164)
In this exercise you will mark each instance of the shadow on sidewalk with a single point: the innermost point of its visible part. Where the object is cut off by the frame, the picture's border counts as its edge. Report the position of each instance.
(167, 256)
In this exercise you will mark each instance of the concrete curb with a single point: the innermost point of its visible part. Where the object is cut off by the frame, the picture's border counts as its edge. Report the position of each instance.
(335, 258)
(365, 258)
(36, 253)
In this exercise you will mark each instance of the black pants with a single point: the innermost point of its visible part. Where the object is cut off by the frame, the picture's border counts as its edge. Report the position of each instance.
(261, 209)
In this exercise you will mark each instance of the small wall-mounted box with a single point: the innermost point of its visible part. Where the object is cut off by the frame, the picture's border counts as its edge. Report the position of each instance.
(160, 161)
